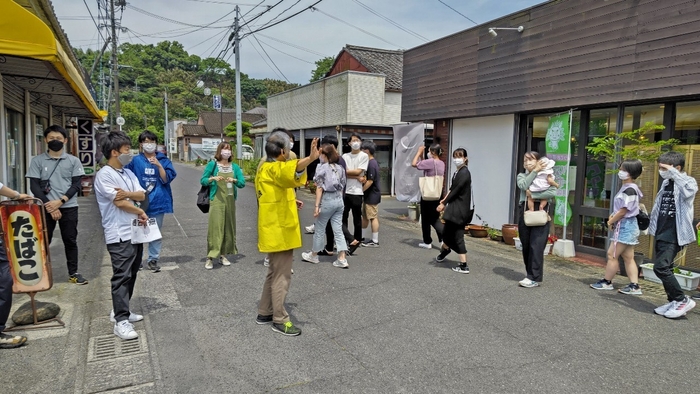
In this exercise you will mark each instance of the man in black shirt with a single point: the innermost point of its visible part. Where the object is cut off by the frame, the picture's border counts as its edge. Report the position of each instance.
(372, 197)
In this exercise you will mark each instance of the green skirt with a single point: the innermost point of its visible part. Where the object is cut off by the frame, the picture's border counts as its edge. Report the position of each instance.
(221, 236)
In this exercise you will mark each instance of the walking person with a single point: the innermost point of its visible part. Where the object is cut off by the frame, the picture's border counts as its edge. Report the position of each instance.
(330, 183)
(430, 217)
(623, 222)
(54, 178)
(224, 179)
(533, 238)
(356, 162)
(671, 224)
(119, 195)
(278, 226)
(7, 341)
(457, 212)
(155, 172)
(372, 197)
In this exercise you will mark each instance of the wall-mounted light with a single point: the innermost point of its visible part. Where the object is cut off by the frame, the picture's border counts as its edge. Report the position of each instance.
(492, 30)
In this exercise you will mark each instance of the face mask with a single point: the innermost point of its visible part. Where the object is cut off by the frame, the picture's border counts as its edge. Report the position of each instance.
(149, 147)
(291, 145)
(355, 145)
(665, 174)
(458, 161)
(55, 145)
(225, 153)
(125, 158)
(623, 175)
(430, 155)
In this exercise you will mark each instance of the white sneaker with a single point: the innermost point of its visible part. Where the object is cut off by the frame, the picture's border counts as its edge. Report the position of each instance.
(133, 317)
(224, 261)
(125, 330)
(208, 265)
(309, 229)
(525, 281)
(266, 262)
(680, 308)
(663, 308)
(425, 246)
(309, 257)
(341, 264)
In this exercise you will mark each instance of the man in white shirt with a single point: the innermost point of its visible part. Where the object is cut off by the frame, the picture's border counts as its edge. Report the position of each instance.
(118, 194)
(356, 162)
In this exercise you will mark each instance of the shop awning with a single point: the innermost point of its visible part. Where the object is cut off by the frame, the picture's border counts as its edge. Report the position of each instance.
(32, 58)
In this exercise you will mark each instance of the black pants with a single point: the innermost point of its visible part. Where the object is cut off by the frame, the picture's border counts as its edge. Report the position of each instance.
(126, 260)
(353, 203)
(453, 237)
(330, 238)
(534, 240)
(430, 217)
(664, 253)
(5, 288)
(68, 224)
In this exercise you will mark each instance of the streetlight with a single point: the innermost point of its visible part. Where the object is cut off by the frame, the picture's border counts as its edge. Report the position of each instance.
(207, 92)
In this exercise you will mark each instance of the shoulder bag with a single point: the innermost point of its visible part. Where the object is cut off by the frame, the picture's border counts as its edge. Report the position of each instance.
(431, 186)
(535, 218)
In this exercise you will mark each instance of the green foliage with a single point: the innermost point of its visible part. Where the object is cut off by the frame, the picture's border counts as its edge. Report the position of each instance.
(322, 67)
(629, 145)
(231, 129)
(250, 167)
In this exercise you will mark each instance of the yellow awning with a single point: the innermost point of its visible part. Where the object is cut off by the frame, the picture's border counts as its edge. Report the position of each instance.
(23, 34)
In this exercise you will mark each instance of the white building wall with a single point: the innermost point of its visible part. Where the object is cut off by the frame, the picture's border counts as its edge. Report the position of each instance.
(392, 108)
(489, 144)
(366, 99)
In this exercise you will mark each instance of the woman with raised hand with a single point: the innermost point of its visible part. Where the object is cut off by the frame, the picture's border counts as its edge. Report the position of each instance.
(432, 166)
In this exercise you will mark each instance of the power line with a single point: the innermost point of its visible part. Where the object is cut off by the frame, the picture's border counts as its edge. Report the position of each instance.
(162, 18)
(282, 52)
(268, 56)
(358, 28)
(93, 20)
(280, 14)
(263, 58)
(448, 6)
(226, 2)
(391, 21)
(285, 19)
(293, 45)
(269, 8)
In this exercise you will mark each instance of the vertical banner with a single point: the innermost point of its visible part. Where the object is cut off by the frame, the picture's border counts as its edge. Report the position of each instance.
(86, 146)
(216, 104)
(23, 238)
(558, 145)
(407, 139)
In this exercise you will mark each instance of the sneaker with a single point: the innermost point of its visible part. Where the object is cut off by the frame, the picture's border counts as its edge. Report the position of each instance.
(695, 296)
(663, 308)
(352, 248)
(680, 308)
(141, 267)
(341, 264)
(11, 341)
(309, 229)
(632, 289)
(425, 246)
(125, 330)
(133, 317)
(309, 257)
(461, 269)
(263, 319)
(286, 329)
(529, 283)
(266, 262)
(443, 255)
(602, 285)
(224, 261)
(324, 252)
(370, 244)
(153, 266)
(208, 265)
(77, 279)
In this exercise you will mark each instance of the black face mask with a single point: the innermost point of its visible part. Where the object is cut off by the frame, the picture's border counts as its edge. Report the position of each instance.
(55, 145)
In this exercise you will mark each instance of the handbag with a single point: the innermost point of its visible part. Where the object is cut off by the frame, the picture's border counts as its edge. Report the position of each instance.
(146, 232)
(45, 184)
(535, 218)
(203, 199)
(431, 186)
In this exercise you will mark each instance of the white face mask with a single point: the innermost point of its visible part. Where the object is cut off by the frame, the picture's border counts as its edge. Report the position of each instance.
(430, 155)
(665, 174)
(149, 147)
(355, 145)
(291, 145)
(225, 153)
(323, 159)
(623, 175)
(124, 158)
(458, 161)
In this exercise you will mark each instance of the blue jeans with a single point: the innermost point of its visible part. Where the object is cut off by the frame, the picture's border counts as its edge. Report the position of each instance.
(154, 247)
(331, 210)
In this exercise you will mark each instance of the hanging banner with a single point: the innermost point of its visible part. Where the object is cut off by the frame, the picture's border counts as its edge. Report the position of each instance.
(558, 146)
(24, 242)
(407, 139)
(86, 146)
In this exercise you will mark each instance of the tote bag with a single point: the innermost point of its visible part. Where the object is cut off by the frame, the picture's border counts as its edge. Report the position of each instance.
(203, 199)
(431, 186)
(144, 233)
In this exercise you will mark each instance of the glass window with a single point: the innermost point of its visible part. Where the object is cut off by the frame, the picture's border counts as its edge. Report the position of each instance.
(598, 182)
(636, 117)
(594, 232)
(14, 157)
(687, 128)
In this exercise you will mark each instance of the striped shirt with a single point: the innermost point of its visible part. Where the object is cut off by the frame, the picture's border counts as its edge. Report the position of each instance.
(684, 196)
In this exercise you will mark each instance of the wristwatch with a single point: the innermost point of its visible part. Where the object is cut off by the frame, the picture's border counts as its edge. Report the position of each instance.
(64, 200)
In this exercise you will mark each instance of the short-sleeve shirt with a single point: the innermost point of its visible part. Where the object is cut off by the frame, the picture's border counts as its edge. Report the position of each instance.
(115, 221)
(66, 167)
(373, 195)
(330, 177)
(628, 197)
(354, 161)
(666, 222)
(432, 167)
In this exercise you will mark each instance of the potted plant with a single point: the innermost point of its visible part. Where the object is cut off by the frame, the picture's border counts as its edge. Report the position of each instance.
(509, 232)
(550, 241)
(495, 234)
(688, 280)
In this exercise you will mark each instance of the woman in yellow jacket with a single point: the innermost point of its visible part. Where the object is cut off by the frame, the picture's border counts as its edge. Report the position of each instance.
(278, 225)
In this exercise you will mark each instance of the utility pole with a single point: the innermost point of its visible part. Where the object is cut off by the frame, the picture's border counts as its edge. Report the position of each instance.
(239, 134)
(115, 65)
(166, 135)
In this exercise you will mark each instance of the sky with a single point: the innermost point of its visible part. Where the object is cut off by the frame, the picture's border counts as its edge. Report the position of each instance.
(293, 45)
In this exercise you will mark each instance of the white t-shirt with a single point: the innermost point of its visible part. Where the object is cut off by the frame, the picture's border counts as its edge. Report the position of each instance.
(353, 161)
(116, 222)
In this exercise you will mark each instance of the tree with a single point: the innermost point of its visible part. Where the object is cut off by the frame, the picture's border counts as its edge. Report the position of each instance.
(322, 67)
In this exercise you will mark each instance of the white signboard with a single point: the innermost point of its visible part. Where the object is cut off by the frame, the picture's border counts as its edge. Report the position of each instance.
(86, 146)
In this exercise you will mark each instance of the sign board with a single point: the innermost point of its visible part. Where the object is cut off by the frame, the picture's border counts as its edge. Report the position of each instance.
(217, 101)
(172, 146)
(558, 141)
(86, 146)
(210, 144)
(23, 239)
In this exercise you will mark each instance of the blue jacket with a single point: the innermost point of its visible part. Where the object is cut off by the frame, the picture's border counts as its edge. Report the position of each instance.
(160, 196)
(213, 170)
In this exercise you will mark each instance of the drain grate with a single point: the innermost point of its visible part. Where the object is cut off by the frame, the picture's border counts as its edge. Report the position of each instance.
(107, 347)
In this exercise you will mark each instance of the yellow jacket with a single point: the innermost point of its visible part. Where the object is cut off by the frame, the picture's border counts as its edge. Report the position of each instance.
(278, 218)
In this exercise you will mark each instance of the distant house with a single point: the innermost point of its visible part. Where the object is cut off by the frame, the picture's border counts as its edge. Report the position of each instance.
(360, 94)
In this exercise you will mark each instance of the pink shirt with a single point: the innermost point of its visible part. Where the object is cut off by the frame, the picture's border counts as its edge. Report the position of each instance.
(431, 167)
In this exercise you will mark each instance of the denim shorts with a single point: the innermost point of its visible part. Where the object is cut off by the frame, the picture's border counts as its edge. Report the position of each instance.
(626, 231)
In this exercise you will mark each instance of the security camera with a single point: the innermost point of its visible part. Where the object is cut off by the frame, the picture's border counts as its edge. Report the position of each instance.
(493, 32)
